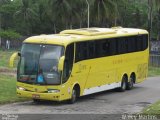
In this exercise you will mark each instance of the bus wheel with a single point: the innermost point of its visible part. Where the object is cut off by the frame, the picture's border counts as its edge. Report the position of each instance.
(123, 84)
(130, 83)
(74, 96)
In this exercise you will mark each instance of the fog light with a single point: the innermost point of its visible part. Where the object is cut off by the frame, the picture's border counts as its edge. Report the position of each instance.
(53, 91)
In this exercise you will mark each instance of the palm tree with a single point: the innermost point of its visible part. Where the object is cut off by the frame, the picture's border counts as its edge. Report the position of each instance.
(117, 4)
(64, 11)
(81, 9)
(105, 10)
(26, 13)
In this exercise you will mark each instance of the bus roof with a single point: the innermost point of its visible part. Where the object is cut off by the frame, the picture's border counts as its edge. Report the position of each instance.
(68, 36)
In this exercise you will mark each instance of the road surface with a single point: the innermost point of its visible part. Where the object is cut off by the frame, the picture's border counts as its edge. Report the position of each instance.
(108, 102)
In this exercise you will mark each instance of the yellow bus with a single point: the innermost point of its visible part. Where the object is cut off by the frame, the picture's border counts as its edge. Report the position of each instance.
(80, 62)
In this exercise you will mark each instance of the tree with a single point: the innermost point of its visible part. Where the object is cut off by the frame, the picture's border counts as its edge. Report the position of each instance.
(104, 11)
(157, 5)
(2, 2)
(52, 16)
(65, 12)
(27, 14)
(9, 34)
(151, 4)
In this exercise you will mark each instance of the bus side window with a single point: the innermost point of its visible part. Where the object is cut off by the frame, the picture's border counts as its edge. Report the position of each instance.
(106, 47)
(91, 49)
(81, 51)
(122, 46)
(131, 44)
(139, 40)
(98, 47)
(113, 49)
(102, 48)
(68, 63)
(145, 42)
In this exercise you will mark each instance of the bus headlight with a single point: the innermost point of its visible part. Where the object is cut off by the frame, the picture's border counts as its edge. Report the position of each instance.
(21, 88)
(53, 91)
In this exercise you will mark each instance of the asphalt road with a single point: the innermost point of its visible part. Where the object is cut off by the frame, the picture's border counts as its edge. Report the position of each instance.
(108, 102)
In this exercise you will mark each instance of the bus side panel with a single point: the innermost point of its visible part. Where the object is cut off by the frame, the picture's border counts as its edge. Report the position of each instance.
(80, 74)
(101, 72)
(142, 66)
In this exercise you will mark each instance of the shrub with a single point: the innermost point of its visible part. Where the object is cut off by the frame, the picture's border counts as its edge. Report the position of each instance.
(9, 34)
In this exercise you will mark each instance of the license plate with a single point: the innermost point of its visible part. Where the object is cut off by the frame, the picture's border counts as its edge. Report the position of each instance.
(35, 96)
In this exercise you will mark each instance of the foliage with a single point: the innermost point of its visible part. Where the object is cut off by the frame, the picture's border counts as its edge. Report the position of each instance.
(9, 34)
(153, 109)
(29, 17)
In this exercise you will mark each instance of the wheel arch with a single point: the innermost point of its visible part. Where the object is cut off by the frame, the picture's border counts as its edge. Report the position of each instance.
(125, 75)
(78, 89)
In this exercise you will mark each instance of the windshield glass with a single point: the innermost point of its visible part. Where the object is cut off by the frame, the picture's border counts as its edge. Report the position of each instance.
(38, 64)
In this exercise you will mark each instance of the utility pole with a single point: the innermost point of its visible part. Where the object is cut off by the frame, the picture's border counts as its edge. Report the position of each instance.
(88, 11)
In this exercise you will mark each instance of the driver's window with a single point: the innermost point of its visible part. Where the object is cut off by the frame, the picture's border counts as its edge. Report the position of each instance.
(68, 63)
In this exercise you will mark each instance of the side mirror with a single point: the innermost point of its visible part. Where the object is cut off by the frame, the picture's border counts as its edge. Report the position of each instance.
(12, 59)
(61, 63)
(19, 54)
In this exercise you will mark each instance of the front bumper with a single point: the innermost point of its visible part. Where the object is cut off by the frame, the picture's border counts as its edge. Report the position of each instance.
(42, 96)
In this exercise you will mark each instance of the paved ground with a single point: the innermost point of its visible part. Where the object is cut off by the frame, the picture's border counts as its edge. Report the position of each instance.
(108, 102)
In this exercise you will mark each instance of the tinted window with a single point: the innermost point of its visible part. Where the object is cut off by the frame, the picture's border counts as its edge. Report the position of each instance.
(105, 47)
(81, 49)
(91, 49)
(108, 47)
(122, 45)
(131, 44)
(68, 63)
(145, 42)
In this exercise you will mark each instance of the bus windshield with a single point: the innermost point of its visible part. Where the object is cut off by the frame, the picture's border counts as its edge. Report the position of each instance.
(38, 64)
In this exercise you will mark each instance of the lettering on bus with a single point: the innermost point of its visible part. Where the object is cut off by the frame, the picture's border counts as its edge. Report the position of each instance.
(127, 60)
(82, 67)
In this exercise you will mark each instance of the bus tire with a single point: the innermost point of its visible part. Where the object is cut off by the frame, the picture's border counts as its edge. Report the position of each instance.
(123, 84)
(130, 83)
(74, 96)
(36, 101)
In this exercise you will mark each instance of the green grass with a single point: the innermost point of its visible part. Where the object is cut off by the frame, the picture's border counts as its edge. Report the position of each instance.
(4, 58)
(154, 71)
(8, 89)
(153, 109)
(7, 80)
